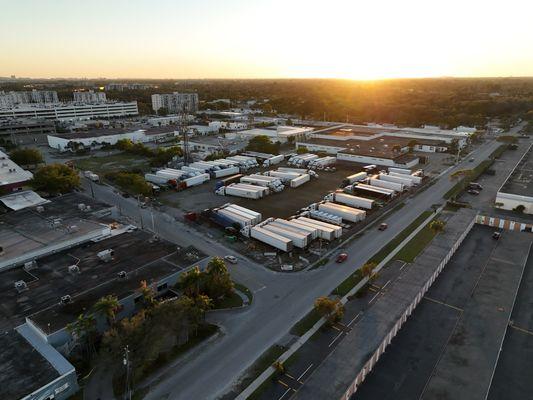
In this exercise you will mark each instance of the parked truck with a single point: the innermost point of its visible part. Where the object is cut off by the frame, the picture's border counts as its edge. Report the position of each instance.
(397, 179)
(374, 190)
(300, 180)
(326, 231)
(358, 177)
(239, 191)
(295, 225)
(350, 200)
(271, 238)
(402, 171)
(254, 215)
(346, 213)
(398, 187)
(298, 240)
(417, 180)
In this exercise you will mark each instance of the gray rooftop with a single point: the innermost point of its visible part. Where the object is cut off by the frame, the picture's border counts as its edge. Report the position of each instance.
(520, 181)
(466, 367)
(332, 379)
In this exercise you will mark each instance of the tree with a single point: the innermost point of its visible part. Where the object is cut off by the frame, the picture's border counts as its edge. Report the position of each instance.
(519, 209)
(302, 150)
(331, 309)
(262, 144)
(84, 331)
(437, 225)
(218, 280)
(192, 282)
(148, 295)
(55, 179)
(163, 111)
(368, 269)
(26, 156)
(108, 306)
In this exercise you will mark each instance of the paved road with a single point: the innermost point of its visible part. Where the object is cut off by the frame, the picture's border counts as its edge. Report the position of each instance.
(280, 300)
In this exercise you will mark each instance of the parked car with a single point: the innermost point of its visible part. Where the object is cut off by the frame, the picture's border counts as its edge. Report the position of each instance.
(475, 185)
(496, 235)
(383, 226)
(231, 259)
(341, 258)
(472, 160)
(473, 191)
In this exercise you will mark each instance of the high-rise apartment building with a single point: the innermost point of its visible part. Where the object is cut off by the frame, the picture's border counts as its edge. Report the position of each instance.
(176, 102)
(89, 97)
(11, 99)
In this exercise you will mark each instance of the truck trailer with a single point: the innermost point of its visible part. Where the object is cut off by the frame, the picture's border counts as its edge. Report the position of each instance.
(346, 213)
(398, 187)
(271, 238)
(350, 200)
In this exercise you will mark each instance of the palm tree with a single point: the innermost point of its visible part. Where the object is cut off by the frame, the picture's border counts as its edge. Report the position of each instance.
(108, 306)
(436, 226)
(83, 330)
(148, 295)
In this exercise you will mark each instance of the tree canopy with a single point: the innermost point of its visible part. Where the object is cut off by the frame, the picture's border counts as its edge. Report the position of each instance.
(262, 144)
(26, 156)
(55, 179)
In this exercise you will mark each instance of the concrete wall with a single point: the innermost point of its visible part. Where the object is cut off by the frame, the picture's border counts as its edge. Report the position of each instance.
(503, 223)
(510, 201)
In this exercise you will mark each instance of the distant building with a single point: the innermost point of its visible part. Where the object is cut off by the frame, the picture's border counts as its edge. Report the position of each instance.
(24, 131)
(11, 99)
(127, 86)
(176, 102)
(89, 97)
(12, 177)
(169, 120)
(71, 111)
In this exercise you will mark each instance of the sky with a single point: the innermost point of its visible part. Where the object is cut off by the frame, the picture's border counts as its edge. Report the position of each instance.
(352, 39)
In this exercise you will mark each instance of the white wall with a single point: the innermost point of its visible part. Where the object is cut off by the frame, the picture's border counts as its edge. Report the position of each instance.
(511, 201)
(61, 144)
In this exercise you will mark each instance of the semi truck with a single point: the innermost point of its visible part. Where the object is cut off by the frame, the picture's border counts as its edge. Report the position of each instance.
(326, 231)
(271, 238)
(300, 180)
(398, 187)
(350, 200)
(358, 177)
(346, 213)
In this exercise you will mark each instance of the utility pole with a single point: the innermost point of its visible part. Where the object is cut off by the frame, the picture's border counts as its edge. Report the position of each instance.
(184, 136)
(127, 392)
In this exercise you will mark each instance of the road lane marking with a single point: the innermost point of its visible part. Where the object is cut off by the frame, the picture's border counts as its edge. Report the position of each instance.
(337, 329)
(334, 340)
(353, 320)
(283, 395)
(522, 329)
(385, 285)
(443, 304)
(373, 298)
(305, 372)
(283, 383)
(290, 376)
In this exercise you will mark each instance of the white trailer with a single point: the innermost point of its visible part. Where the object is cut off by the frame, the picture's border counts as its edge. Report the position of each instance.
(299, 227)
(374, 189)
(256, 181)
(336, 230)
(398, 187)
(310, 235)
(196, 180)
(297, 170)
(346, 213)
(273, 160)
(322, 232)
(300, 180)
(254, 215)
(297, 239)
(264, 177)
(262, 189)
(194, 171)
(226, 172)
(271, 238)
(237, 218)
(402, 171)
(171, 175)
(284, 176)
(358, 177)
(397, 179)
(252, 219)
(157, 179)
(417, 180)
(234, 190)
(350, 200)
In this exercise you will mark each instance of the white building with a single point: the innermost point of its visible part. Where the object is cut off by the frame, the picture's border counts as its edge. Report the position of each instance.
(10, 99)
(201, 129)
(71, 111)
(176, 102)
(96, 138)
(276, 134)
(229, 125)
(89, 97)
(169, 120)
(12, 177)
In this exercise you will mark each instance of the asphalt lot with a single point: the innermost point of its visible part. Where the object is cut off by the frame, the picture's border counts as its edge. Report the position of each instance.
(512, 379)
(436, 328)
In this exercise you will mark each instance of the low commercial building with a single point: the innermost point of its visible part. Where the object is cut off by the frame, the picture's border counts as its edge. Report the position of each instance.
(229, 125)
(207, 145)
(12, 177)
(516, 192)
(71, 111)
(169, 120)
(280, 133)
(96, 138)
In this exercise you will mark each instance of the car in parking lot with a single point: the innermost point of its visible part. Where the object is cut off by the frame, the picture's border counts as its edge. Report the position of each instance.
(496, 235)
(341, 258)
(472, 160)
(473, 191)
(231, 259)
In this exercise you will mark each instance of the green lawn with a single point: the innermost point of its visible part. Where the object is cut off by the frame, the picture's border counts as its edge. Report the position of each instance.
(113, 163)
(305, 323)
(348, 284)
(229, 302)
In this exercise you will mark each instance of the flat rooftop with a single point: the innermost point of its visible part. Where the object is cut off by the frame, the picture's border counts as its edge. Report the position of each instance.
(24, 369)
(136, 253)
(520, 181)
(466, 367)
(11, 172)
(62, 220)
(158, 130)
(333, 377)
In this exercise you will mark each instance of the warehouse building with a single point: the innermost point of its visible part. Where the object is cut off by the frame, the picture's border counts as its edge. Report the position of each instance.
(97, 137)
(26, 130)
(12, 177)
(516, 192)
